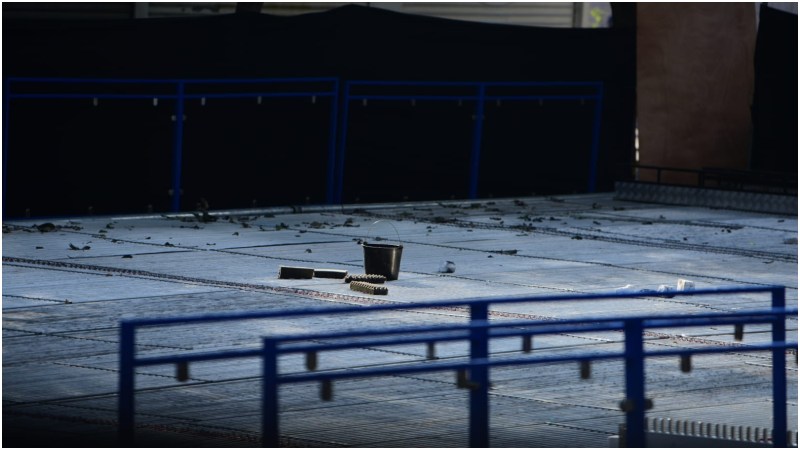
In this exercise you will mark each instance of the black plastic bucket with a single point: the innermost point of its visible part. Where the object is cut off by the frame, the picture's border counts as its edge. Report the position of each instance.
(382, 259)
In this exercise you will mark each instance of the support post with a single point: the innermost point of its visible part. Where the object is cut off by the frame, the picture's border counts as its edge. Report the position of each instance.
(779, 372)
(6, 110)
(634, 403)
(342, 143)
(595, 156)
(330, 192)
(479, 379)
(477, 137)
(177, 150)
(126, 405)
(270, 431)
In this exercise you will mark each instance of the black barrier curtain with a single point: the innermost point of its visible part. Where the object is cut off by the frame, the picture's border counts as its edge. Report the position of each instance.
(237, 153)
(775, 97)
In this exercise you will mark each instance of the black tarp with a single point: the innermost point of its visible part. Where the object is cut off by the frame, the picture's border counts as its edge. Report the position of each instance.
(66, 155)
(775, 97)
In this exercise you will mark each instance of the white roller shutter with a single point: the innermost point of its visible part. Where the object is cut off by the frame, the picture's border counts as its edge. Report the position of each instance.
(542, 14)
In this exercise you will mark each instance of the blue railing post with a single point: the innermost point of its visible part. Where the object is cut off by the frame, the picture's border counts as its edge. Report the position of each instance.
(270, 431)
(177, 151)
(345, 123)
(596, 127)
(634, 403)
(127, 354)
(779, 372)
(479, 379)
(330, 187)
(477, 138)
(6, 110)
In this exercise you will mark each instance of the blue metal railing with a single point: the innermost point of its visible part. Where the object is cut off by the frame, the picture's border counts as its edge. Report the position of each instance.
(478, 332)
(480, 93)
(179, 90)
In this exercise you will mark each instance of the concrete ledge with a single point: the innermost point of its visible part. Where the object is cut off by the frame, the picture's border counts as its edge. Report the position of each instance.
(712, 198)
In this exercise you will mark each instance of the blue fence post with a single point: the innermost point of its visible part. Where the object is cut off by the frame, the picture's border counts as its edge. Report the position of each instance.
(177, 151)
(780, 424)
(596, 127)
(345, 122)
(270, 430)
(330, 191)
(479, 379)
(634, 403)
(126, 404)
(6, 110)
(477, 137)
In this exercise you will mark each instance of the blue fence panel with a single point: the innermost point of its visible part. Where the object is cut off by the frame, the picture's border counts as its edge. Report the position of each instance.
(177, 90)
(480, 92)
(479, 331)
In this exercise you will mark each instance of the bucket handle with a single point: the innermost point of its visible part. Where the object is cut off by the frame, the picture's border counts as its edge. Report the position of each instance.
(392, 225)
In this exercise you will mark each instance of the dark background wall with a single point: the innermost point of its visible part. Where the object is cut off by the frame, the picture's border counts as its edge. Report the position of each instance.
(66, 155)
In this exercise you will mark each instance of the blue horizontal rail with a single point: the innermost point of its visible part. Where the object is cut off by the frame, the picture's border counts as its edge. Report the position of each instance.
(466, 302)
(478, 332)
(173, 96)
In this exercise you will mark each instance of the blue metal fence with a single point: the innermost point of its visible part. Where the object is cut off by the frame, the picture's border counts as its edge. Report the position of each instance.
(480, 93)
(181, 90)
(478, 332)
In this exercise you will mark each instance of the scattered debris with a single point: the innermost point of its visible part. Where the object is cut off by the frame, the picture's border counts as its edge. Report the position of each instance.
(519, 203)
(577, 237)
(235, 233)
(329, 273)
(204, 216)
(447, 267)
(308, 250)
(685, 285)
(127, 256)
(110, 225)
(596, 222)
(369, 278)
(626, 288)
(39, 247)
(507, 252)
(281, 226)
(368, 288)
(167, 244)
(555, 199)
(46, 227)
(75, 247)
(665, 290)
(790, 241)
(297, 273)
